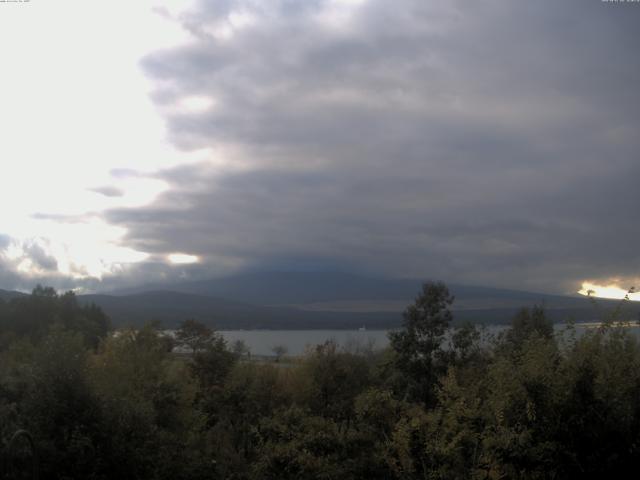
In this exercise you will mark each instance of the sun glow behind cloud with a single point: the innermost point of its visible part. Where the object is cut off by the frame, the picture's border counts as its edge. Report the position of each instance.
(611, 290)
(78, 250)
(182, 258)
(196, 104)
(337, 14)
(75, 107)
(235, 22)
(288, 178)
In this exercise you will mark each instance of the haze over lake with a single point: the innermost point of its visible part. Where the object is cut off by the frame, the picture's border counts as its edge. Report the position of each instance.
(261, 342)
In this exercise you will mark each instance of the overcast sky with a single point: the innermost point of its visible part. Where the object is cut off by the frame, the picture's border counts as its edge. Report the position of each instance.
(480, 142)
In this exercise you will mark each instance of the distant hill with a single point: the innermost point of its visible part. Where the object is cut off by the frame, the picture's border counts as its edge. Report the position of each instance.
(324, 300)
(268, 288)
(303, 300)
(170, 308)
(9, 294)
(284, 288)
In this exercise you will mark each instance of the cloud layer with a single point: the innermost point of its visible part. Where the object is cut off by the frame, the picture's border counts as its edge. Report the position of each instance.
(483, 142)
(488, 142)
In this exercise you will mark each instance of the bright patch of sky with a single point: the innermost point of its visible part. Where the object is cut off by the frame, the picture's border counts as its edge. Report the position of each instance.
(182, 258)
(74, 108)
(88, 141)
(338, 13)
(609, 290)
(76, 113)
(235, 22)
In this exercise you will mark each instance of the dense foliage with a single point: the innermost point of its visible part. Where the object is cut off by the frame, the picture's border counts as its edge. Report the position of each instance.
(439, 403)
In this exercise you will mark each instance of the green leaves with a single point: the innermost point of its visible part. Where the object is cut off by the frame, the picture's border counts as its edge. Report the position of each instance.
(418, 345)
(32, 316)
(440, 403)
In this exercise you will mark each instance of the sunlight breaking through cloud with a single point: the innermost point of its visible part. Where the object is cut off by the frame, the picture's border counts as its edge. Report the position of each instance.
(183, 258)
(610, 290)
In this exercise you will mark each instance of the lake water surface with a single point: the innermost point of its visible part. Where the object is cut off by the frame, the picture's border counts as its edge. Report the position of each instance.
(261, 342)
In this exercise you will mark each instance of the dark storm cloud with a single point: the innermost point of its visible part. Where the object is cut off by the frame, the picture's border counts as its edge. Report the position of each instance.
(41, 259)
(7, 275)
(482, 142)
(9, 279)
(44, 267)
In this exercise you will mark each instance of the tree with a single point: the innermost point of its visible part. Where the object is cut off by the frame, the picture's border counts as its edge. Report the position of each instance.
(528, 322)
(417, 346)
(147, 397)
(212, 362)
(61, 410)
(195, 335)
(296, 445)
(279, 351)
(334, 379)
(33, 315)
(240, 348)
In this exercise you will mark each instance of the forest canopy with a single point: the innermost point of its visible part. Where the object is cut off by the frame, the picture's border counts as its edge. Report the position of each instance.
(439, 402)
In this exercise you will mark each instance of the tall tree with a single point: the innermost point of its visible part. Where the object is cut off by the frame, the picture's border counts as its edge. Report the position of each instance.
(419, 356)
(194, 335)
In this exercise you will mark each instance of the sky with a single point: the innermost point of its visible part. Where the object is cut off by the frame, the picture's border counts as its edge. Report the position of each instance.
(485, 143)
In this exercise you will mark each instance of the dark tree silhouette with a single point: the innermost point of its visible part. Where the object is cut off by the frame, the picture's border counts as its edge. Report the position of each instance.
(418, 345)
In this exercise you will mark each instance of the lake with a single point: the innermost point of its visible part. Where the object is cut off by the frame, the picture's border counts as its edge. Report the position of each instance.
(261, 342)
